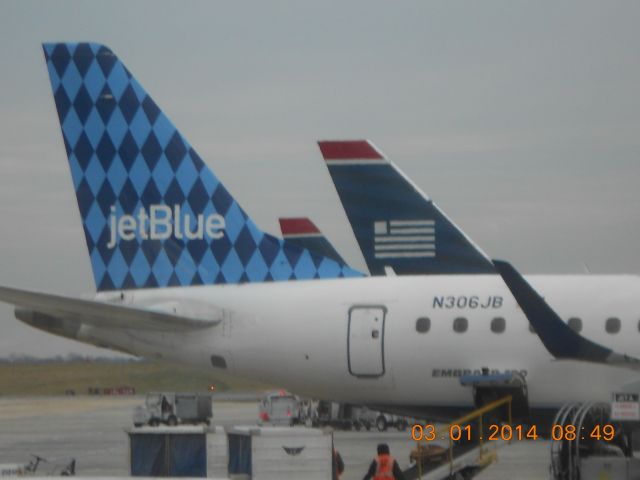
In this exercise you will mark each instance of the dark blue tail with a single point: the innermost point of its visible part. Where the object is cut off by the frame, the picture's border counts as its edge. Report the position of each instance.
(395, 224)
(153, 214)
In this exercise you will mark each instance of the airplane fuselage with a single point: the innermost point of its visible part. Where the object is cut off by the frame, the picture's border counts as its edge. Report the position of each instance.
(357, 340)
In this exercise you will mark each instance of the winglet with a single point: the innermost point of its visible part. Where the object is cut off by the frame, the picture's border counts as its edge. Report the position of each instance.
(558, 338)
(348, 151)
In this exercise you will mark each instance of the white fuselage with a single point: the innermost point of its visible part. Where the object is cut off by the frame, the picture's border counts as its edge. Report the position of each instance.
(317, 337)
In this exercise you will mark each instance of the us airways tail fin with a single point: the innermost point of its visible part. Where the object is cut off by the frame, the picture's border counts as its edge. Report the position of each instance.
(394, 222)
(304, 233)
(153, 214)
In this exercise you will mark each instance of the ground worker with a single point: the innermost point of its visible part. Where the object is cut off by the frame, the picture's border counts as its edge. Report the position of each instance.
(338, 465)
(384, 467)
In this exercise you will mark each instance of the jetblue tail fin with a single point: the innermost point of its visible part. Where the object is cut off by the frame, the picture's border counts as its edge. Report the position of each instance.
(304, 233)
(395, 223)
(153, 214)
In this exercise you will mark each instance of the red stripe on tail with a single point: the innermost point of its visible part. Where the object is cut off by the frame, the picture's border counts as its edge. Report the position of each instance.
(297, 226)
(348, 150)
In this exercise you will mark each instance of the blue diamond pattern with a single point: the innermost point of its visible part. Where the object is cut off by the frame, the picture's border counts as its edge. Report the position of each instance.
(256, 267)
(95, 222)
(140, 128)
(71, 127)
(305, 267)
(118, 80)
(129, 104)
(328, 269)
(125, 153)
(174, 194)
(94, 128)
(83, 104)
(105, 104)
(95, 175)
(117, 175)
(162, 268)
(232, 268)
(71, 80)
(117, 268)
(94, 81)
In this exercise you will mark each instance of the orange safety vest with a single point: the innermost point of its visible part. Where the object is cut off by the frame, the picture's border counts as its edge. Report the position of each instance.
(384, 469)
(335, 464)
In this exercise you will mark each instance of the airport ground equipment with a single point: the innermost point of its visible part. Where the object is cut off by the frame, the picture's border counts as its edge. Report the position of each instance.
(448, 457)
(590, 454)
(280, 453)
(21, 469)
(281, 408)
(172, 408)
(333, 414)
(180, 451)
(250, 452)
(488, 387)
(364, 417)
(30, 469)
(344, 416)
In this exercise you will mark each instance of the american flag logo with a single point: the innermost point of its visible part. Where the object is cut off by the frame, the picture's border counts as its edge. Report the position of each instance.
(404, 238)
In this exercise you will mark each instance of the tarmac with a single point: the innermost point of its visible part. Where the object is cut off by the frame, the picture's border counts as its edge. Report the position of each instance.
(92, 430)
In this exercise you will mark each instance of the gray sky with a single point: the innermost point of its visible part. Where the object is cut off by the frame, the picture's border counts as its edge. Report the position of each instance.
(520, 119)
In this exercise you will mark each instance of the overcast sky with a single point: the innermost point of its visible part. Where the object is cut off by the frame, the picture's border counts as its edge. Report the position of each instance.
(520, 119)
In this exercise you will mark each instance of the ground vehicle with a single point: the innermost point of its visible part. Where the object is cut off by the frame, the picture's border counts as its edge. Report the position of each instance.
(173, 408)
(29, 469)
(364, 417)
(334, 414)
(280, 408)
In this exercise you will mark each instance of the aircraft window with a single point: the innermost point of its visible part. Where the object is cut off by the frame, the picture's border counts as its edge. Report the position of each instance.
(460, 325)
(423, 324)
(575, 324)
(498, 325)
(612, 325)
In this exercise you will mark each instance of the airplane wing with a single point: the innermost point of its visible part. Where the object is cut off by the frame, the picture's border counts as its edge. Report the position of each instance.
(108, 315)
(558, 338)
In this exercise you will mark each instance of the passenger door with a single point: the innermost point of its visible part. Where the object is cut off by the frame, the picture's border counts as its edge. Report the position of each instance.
(365, 344)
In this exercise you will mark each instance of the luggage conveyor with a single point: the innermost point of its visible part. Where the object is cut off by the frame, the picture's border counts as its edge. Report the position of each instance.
(467, 452)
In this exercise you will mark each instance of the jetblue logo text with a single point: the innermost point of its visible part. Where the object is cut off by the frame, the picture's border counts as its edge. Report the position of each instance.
(161, 222)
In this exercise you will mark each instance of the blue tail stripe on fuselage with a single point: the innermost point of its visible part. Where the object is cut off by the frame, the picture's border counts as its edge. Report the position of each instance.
(130, 166)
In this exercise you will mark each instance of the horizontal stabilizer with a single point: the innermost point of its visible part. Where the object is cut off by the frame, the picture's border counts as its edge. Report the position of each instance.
(558, 338)
(107, 315)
